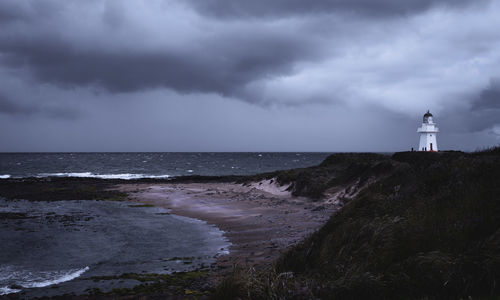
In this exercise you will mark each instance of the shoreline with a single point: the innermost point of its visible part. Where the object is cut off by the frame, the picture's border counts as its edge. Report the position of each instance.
(261, 220)
(157, 242)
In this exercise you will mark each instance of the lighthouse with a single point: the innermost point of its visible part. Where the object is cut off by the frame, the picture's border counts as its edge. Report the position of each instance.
(428, 132)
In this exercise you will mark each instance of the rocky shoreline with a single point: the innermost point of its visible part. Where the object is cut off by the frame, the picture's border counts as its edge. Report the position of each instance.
(261, 220)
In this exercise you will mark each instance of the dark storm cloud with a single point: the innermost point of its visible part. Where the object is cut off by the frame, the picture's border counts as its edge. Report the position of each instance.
(221, 61)
(10, 107)
(485, 111)
(23, 10)
(277, 8)
(16, 108)
(6, 16)
(489, 97)
(222, 65)
(9, 12)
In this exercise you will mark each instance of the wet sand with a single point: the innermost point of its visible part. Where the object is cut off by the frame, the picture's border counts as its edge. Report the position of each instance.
(261, 220)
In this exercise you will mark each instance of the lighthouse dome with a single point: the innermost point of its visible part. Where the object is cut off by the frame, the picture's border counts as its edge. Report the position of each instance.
(428, 117)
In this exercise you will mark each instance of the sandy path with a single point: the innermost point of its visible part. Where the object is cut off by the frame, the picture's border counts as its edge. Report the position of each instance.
(261, 221)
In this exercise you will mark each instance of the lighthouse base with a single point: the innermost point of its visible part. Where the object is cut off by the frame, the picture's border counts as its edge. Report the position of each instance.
(428, 142)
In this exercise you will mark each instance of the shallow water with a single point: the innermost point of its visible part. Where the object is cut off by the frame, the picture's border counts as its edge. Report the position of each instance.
(51, 248)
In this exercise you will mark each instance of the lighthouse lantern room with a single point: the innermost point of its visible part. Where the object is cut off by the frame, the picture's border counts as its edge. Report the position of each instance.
(428, 132)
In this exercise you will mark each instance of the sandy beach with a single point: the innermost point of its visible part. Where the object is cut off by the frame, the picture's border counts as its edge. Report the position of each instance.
(261, 220)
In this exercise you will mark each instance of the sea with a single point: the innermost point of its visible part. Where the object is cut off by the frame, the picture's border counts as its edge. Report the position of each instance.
(150, 165)
(59, 247)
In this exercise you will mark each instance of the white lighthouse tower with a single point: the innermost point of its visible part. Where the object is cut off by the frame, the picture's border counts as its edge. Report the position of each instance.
(428, 133)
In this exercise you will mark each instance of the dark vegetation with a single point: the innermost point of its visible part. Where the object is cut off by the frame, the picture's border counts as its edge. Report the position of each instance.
(72, 188)
(336, 170)
(54, 189)
(427, 228)
(181, 285)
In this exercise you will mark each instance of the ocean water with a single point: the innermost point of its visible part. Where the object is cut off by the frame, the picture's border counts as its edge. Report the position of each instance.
(150, 165)
(50, 248)
(58, 247)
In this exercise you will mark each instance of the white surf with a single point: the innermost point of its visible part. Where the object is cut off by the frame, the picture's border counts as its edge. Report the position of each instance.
(35, 279)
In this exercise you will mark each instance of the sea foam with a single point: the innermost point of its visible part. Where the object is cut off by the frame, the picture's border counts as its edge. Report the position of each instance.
(58, 278)
(4, 176)
(30, 279)
(126, 176)
(6, 290)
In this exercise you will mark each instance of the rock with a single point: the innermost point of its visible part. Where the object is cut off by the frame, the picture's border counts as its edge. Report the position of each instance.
(319, 208)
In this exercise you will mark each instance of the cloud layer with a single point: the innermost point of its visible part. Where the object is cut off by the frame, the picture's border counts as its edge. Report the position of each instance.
(284, 8)
(395, 59)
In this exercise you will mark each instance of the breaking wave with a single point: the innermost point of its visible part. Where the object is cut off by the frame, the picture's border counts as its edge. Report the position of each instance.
(126, 176)
(4, 176)
(6, 290)
(29, 279)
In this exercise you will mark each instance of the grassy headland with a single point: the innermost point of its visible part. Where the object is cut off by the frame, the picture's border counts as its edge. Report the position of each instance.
(427, 226)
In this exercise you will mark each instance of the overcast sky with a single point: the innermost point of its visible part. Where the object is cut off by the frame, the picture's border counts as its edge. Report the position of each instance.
(239, 75)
